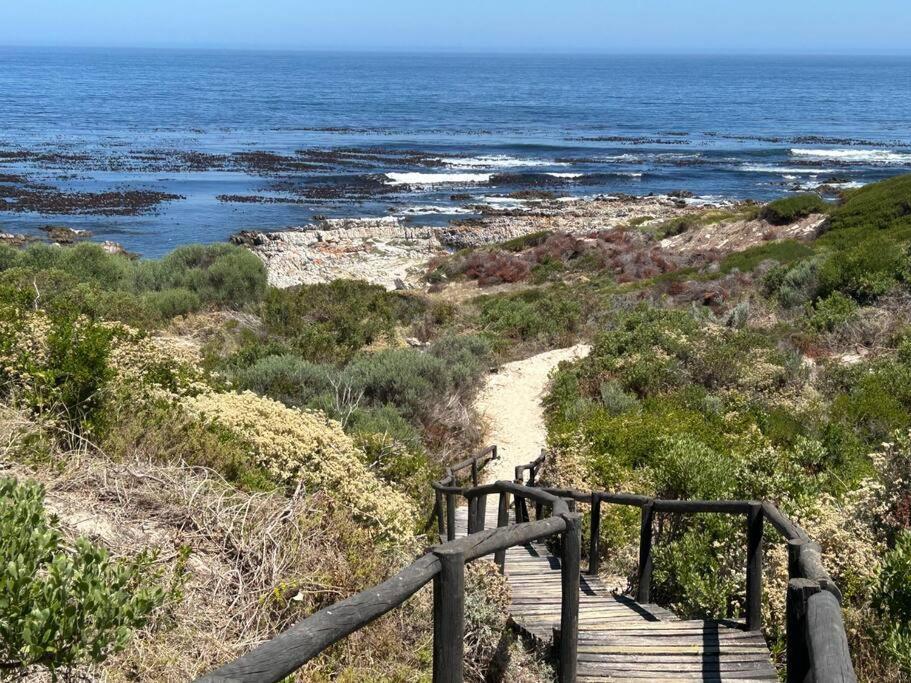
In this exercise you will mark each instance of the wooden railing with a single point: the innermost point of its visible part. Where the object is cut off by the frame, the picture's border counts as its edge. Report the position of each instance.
(444, 565)
(817, 645)
(450, 482)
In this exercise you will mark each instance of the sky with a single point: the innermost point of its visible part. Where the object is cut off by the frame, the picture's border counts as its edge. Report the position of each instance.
(626, 26)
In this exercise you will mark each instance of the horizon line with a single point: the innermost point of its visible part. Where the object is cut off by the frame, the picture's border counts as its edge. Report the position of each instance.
(860, 52)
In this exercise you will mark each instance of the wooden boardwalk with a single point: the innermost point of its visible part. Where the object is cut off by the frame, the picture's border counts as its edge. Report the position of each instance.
(620, 639)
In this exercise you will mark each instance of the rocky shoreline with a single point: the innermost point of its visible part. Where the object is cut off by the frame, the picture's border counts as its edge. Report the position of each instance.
(393, 253)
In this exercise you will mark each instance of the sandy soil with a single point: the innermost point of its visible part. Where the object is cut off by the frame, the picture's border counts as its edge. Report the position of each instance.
(510, 403)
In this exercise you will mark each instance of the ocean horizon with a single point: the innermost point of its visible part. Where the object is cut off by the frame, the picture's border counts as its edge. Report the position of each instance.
(153, 148)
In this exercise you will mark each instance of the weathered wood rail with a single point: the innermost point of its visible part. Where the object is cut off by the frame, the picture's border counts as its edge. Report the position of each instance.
(817, 648)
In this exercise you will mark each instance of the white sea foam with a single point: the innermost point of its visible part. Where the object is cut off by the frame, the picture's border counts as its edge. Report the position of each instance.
(495, 161)
(870, 156)
(850, 185)
(436, 178)
(707, 200)
(796, 170)
(505, 203)
(568, 176)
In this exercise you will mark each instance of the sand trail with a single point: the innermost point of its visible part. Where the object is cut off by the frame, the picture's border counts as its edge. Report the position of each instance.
(510, 403)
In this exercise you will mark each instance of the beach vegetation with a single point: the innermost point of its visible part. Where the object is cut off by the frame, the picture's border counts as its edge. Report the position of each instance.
(64, 604)
(791, 209)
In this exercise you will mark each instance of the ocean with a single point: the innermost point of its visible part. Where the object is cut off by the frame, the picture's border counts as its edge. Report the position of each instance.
(157, 148)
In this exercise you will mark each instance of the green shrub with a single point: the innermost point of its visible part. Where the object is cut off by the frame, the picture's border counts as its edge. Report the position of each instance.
(793, 285)
(533, 239)
(332, 321)
(86, 279)
(874, 400)
(57, 365)
(683, 467)
(893, 601)
(783, 251)
(220, 274)
(62, 607)
(832, 312)
(885, 205)
(864, 272)
(698, 568)
(550, 316)
(169, 303)
(287, 378)
(791, 209)
(615, 399)
(413, 381)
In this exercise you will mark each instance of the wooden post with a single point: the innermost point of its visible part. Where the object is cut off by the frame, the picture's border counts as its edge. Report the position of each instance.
(480, 513)
(474, 472)
(754, 567)
(795, 547)
(830, 657)
(594, 543)
(521, 506)
(569, 605)
(449, 617)
(472, 509)
(499, 557)
(799, 592)
(438, 511)
(539, 510)
(450, 517)
(643, 595)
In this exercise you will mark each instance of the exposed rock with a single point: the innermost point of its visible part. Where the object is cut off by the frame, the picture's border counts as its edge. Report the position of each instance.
(394, 253)
(115, 248)
(16, 239)
(64, 235)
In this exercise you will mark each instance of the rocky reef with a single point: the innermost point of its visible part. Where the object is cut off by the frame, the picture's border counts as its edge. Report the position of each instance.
(392, 252)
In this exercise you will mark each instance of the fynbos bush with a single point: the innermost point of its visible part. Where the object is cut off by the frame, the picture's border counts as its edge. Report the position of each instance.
(63, 607)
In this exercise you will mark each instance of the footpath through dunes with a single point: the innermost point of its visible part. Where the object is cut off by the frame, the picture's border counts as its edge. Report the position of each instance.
(619, 638)
(510, 404)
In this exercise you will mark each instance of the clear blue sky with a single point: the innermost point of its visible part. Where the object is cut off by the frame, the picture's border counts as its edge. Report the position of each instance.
(827, 26)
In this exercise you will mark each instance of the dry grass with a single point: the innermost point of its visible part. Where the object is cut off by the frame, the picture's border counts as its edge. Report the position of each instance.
(246, 566)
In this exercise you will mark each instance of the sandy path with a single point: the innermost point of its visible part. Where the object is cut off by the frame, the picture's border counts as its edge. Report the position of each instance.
(510, 403)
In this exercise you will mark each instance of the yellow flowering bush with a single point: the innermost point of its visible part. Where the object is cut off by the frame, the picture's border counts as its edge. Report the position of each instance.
(304, 448)
(164, 368)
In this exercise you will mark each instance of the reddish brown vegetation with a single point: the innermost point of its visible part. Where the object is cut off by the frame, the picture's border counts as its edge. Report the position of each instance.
(629, 255)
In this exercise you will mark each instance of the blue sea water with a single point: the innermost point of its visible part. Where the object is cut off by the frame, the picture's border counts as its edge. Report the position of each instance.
(414, 134)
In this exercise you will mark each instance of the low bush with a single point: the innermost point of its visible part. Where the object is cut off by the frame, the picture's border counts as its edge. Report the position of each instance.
(832, 312)
(864, 272)
(415, 382)
(86, 279)
(55, 365)
(551, 316)
(528, 241)
(64, 605)
(783, 251)
(791, 209)
(331, 322)
(893, 601)
(882, 206)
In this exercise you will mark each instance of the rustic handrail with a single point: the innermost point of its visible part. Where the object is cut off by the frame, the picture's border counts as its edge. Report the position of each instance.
(443, 564)
(817, 642)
